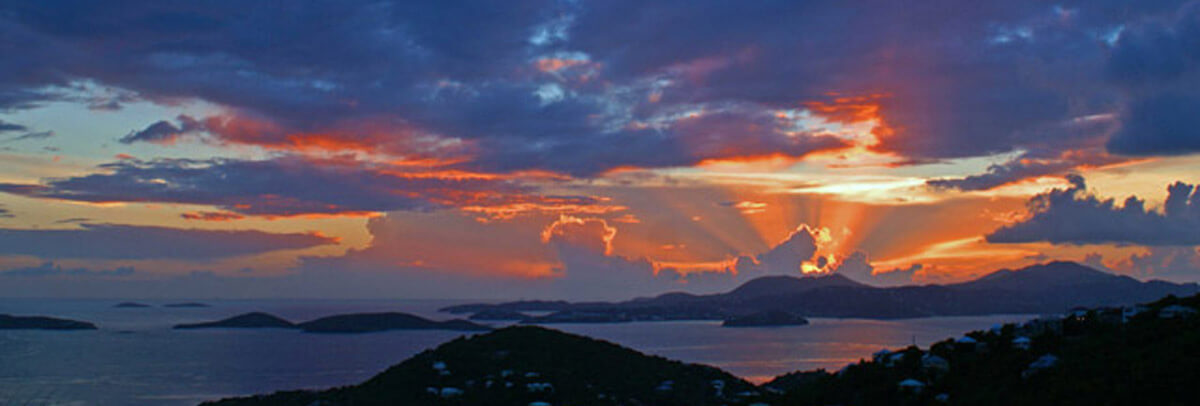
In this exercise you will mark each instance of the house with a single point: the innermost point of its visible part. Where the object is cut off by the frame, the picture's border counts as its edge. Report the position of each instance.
(1043, 362)
(966, 342)
(665, 386)
(1176, 312)
(893, 359)
(539, 387)
(935, 363)
(449, 392)
(912, 385)
(881, 355)
(1129, 312)
(539, 403)
(1022, 343)
(1042, 326)
(719, 386)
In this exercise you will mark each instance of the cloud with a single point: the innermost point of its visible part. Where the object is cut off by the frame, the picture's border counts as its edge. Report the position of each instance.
(115, 241)
(50, 269)
(582, 88)
(1023, 168)
(858, 267)
(1156, 63)
(1173, 263)
(1074, 216)
(285, 186)
(786, 257)
(211, 216)
(164, 132)
(11, 127)
(32, 136)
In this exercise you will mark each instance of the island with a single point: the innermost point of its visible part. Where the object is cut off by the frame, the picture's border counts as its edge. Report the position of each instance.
(770, 318)
(248, 320)
(372, 322)
(1038, 289)
(343, 323)
(186, 305)
(9, 322)
(131, 305)
(529, 365)
(499, 315)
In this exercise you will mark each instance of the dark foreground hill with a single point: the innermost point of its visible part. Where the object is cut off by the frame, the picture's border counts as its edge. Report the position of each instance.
(523, 365)
(8, 322)
(1048, 288)
(1134, 356)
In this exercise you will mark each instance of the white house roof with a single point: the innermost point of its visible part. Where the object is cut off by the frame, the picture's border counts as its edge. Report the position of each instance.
(911, 383)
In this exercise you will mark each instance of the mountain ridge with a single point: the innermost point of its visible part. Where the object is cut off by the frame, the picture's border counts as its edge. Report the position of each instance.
(1043, 288)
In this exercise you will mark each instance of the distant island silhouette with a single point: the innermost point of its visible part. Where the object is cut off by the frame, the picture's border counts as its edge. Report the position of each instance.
(1039, 289)
(9, 322)
(186, 305)
(346, 323)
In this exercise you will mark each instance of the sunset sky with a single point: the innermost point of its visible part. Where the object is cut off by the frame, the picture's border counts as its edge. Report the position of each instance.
(588, 149)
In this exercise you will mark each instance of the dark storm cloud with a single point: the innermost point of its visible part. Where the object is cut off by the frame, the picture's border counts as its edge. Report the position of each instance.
(1000, 175)
(115, 241)
(164, 131)
(284, 186)
(10, 127)
(1157, 64)
(960, 78)
(272, 187)
(1074, 216)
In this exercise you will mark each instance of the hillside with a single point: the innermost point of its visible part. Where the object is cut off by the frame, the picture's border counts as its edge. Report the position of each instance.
(522, 365)
(1138, 355)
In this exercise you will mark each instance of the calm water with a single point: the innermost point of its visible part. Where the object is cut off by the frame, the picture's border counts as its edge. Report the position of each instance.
(136, 359)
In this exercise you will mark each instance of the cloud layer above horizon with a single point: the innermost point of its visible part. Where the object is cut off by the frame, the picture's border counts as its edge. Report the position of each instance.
(587, 145)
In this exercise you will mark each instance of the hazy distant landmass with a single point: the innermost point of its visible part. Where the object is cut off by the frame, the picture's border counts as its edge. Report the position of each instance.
(248, 320)
(346, 323)
(187, 304)
(769, 318)
(8, 322)
(369, 322)
(131, 305)
(1047, 288)
(1129, 355)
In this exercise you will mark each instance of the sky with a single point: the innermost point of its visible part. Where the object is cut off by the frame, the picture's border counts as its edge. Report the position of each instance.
(588, 149)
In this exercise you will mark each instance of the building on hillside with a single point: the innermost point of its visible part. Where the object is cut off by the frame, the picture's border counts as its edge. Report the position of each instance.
(1176, 312)
(912, 385)
(935, 363)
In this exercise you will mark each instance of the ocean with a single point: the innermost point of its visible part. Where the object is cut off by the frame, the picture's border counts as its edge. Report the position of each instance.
(135, 358)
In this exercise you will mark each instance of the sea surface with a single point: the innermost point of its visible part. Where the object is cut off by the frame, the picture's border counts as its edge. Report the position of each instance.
(135, 358)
